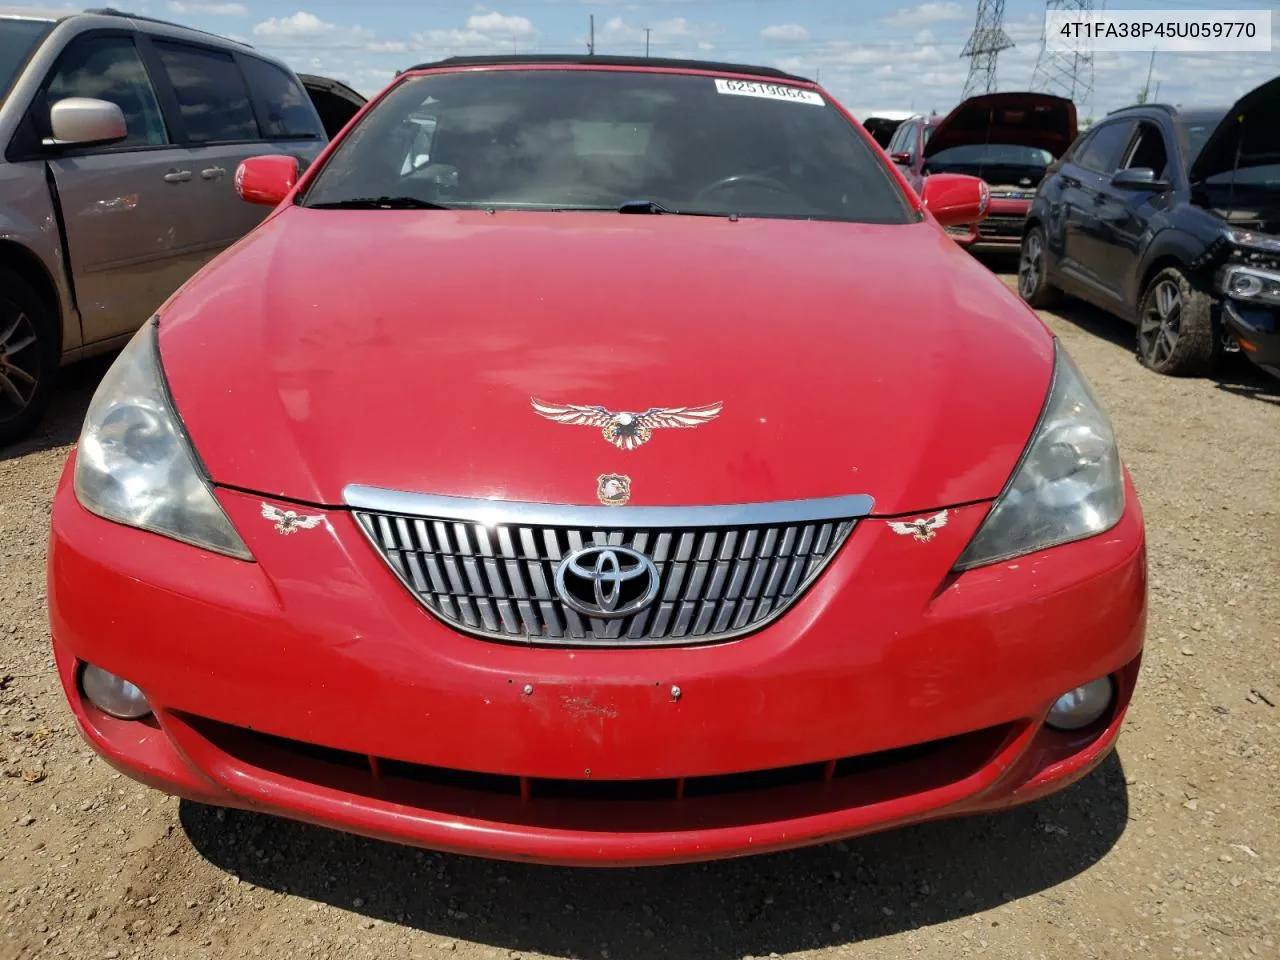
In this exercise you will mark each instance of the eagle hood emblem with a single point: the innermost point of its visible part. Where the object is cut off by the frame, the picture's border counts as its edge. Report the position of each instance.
(922, 529)
(290, 521)
(626, 429)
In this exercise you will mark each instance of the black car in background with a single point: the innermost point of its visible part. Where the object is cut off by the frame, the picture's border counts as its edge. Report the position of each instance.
(334, 101)
(1170, 219)
(883, 127)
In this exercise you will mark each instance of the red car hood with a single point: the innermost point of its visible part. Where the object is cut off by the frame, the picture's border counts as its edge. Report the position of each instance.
(1028, 119)
(402, 349)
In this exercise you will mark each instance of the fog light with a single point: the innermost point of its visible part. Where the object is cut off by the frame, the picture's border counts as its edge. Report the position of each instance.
(1080, 707)
(113, 695)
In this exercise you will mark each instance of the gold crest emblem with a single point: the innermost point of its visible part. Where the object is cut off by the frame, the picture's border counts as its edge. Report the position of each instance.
(613, 489)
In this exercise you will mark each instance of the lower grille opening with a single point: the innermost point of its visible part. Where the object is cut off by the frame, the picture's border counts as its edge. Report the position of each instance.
(1000, 226)
(666, 803)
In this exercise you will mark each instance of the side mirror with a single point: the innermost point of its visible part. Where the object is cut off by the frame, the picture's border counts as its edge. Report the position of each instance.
(1138, 178)
(81, 121)
(266, 180)
(955, 199)
(901, 156)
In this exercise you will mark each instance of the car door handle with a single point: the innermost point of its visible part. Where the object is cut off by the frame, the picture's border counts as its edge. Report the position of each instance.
(212, 173)
(177, 176)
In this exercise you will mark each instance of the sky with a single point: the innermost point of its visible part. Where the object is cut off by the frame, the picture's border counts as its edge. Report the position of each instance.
(870, 54)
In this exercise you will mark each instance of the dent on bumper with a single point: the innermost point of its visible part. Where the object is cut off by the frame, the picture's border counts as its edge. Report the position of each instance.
(891, 693)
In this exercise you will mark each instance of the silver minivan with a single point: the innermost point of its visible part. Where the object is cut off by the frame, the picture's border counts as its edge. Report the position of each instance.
(121, 136)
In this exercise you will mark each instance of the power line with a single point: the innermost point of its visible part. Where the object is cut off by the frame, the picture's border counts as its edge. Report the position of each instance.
(1145, 92)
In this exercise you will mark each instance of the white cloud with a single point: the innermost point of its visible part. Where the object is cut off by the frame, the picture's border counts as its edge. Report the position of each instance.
(784, 31)
(494, 22)
(619, 32)
(307, 31)
(489, 32)
(923, 36)
(926, 13)
(302, 26)
(216, 9)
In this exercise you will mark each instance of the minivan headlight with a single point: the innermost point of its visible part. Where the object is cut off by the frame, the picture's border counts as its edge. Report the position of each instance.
(1069, 483)
(135, 464)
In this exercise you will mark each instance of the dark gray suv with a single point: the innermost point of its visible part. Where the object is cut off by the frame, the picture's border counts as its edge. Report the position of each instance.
(1169, 218)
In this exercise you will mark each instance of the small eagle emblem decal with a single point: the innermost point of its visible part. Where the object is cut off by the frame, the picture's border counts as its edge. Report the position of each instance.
(627, 430)
(922, 529)
(290, 521)
(613, 489)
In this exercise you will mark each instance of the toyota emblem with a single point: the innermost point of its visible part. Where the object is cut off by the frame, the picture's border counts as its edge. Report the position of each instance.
(607, 582)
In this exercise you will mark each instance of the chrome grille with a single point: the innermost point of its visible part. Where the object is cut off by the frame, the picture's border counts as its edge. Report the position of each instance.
(497, 579)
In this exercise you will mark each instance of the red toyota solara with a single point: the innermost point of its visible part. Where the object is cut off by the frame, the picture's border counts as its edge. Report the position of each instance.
(598, 461)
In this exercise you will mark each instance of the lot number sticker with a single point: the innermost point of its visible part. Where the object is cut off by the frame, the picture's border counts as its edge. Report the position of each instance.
(769, 91)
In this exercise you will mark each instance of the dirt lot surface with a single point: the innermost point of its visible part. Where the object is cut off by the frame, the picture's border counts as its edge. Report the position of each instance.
(1171, 849)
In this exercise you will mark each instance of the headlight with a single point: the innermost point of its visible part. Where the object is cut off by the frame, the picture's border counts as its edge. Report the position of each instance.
(1252, 239)
(1250, 283)
(135, 465)
(1069, 484)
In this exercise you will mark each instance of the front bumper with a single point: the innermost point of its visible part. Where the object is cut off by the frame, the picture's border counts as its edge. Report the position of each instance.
(312, 685)
(1257, 330)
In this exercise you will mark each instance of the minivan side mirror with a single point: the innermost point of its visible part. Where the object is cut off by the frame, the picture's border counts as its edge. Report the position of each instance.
(82, 121)
(1138, 178)
(956, 199)
(266, 180)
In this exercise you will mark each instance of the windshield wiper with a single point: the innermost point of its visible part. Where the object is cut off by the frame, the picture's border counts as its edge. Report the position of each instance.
(643, 206)
(653, 206)
(379, 203)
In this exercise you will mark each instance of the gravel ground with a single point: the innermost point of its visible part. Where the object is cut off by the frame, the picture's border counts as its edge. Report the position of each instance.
(1171, 849)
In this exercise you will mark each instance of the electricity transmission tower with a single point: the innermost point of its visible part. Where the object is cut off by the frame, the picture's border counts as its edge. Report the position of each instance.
(1066, 71)
(986, 41)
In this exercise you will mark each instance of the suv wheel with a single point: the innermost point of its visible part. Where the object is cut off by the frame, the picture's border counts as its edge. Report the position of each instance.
(1033, 281)
(28, 358)
(1175, 326)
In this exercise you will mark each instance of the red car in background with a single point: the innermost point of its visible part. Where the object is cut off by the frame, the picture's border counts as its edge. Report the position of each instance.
(1007, 139)
(555, 476)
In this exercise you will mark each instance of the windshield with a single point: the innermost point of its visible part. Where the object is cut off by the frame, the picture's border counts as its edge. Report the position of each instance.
(17, 39)
(1197, 133)
(1252, 148)
(991, 155)
(596, 139)
(1259, 177)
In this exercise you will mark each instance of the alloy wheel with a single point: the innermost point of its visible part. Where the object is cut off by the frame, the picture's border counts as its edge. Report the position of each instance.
(1030, 266)
(1161, 323)
(19, 363)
